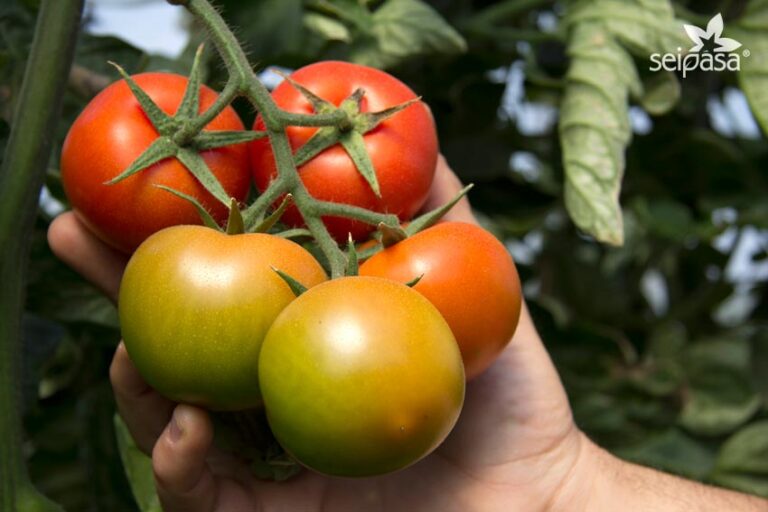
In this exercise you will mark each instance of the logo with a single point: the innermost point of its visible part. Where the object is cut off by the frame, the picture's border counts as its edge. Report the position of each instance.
(722, 56)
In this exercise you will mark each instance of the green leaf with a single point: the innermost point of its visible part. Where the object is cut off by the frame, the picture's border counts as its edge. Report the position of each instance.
(594, 124)
(159, 150)
(743, 460)
(138, 469)
(190, 104)
(430, 218)
(275, 216)
(296, 287)
(160, 120)
(205, 216)
(354, 144)
(235, 224)
(327, 27)
(352, 264)
(322, 139)
(199, 169)
(216, 139)
(752, 32)
(661, 93)
(672, 451)
(401, 29)
(719, 400)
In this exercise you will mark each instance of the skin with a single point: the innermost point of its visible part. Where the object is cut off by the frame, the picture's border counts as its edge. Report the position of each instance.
(192, 293)
(403, 148)
(111, 133)
(515, 446)
(361, 376)
(471, 279)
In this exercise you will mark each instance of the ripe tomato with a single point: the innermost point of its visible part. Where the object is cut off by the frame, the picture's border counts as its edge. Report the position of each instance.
(360, 376)
(403, 148)
(108, 136)
(471, 279)
(195, 305)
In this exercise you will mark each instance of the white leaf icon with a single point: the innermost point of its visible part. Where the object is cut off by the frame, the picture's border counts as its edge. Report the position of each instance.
(715, 27)
(727, 44)
(696, 35)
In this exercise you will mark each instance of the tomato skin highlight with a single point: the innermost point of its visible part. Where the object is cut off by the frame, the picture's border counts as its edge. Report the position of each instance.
(360, 376)
(403, 148)
(111, 132)
(471, 279)
(195, 305)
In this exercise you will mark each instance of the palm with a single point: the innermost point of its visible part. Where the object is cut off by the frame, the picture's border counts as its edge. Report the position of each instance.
(515, 442)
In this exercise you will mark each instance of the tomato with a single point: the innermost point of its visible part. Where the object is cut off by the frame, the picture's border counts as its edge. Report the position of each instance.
(403, 148)
(471, 279)
(360, 376)
(111, 133)
(195, 305)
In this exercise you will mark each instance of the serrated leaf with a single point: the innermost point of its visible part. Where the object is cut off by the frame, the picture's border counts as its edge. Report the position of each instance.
(743, 460)
(594, 123)
(138, 469)
(752, 32)
(401, 29)
(594, 130)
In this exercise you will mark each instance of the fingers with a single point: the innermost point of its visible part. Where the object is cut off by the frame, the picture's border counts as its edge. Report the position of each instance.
(72, 243)
(144, 410)
(445, 186)
(183, 479)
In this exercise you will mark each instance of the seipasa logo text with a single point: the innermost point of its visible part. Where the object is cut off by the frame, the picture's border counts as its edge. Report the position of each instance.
(722, 57)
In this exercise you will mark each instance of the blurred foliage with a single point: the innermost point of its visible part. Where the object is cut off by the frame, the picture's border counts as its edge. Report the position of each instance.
(662, 343)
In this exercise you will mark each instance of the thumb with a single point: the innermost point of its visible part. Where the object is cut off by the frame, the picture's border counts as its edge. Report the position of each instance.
(183, 479)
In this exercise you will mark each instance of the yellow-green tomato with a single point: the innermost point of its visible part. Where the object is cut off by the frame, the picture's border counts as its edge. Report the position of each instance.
(195, 305)
(360, 376)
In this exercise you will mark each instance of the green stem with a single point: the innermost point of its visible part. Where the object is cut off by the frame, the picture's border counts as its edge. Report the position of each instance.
(275, 120)
(21, 177)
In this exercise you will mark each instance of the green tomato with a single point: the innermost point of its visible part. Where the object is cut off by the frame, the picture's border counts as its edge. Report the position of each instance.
(195, 305)
(360, 376)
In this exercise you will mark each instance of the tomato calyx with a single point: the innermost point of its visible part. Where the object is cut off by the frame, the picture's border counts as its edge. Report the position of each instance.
(174, 137)
(294, 284)
(348, 132)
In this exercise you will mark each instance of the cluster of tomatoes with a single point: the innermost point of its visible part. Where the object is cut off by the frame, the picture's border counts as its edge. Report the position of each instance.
(358, 375)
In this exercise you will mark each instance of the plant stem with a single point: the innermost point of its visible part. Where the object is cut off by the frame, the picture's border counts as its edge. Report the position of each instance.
(276, 120)
(21, 176)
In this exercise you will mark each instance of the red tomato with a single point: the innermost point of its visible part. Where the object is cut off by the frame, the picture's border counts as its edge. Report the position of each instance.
(403, 148)
(111, 133)
(471, 279)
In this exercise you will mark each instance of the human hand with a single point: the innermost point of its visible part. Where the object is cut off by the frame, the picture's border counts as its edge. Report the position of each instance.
(515, 446)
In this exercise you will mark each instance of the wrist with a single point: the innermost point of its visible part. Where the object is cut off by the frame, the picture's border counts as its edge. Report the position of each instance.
(590, 482)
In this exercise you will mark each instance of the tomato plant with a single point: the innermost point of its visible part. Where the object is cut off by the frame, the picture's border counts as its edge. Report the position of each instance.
(195, 305)
(111, 133)
(471, 279)
(360, 376)
(402, 148)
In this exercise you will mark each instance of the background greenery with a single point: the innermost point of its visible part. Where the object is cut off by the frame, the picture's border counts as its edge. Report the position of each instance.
(662, 342)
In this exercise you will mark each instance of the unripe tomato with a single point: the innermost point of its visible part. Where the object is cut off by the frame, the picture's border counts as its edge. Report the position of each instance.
(111, 133)
(403, 148)
(360, 376)
(195, 305)
(471, 279)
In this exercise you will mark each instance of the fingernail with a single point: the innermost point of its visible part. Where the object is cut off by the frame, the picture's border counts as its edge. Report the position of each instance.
(174, 430)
